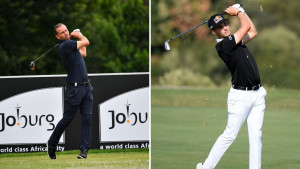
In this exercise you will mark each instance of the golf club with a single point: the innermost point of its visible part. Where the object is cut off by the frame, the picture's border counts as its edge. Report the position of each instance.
(32, 63)
(167, 46)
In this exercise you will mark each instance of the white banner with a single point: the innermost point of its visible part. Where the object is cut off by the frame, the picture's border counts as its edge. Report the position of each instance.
(30, 117)
(125, 117)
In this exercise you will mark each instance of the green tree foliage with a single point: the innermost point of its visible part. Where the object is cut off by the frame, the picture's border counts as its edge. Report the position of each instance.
(276, 48)
(121, 32)
(118, 32)
(280, 59)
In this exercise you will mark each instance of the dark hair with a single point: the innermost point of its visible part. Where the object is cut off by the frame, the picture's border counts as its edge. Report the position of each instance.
(57, 26)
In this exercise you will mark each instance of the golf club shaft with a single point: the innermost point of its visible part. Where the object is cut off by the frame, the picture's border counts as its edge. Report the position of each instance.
(192, 28)
(188, 30)
(167, 46)
(45, 53)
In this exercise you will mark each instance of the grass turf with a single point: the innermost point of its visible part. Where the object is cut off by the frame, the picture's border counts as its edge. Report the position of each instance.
(187, 122)
(104, 159)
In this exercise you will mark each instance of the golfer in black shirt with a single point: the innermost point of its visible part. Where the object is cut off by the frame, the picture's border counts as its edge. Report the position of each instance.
(78, 91)
(246, 98)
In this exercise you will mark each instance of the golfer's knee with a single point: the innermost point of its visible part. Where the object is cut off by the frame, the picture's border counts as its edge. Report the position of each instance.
(67, 119)
(257, 135)
(87, 119)
(229, 136)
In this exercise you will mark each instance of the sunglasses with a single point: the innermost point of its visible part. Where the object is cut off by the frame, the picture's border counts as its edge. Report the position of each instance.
(226, 23)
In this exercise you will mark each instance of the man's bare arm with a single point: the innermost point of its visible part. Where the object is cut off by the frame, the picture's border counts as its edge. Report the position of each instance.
(81, 43)
(252, 33)
(245, 26)
(82, 51)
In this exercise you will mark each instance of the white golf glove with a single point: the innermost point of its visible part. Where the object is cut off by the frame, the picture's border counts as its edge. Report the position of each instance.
(238, 6)
(77, 30)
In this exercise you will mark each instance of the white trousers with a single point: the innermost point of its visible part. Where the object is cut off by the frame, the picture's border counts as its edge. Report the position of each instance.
(242, 105)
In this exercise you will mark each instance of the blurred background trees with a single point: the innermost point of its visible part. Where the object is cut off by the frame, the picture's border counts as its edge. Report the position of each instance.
(193, 60)
(119, 36)
(118, 32)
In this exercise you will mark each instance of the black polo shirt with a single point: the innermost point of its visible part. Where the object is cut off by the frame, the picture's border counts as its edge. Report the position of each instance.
(240, 62)
(73, 62)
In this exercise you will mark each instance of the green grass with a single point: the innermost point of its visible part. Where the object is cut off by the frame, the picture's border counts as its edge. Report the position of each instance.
(185, 124)
(104, 159)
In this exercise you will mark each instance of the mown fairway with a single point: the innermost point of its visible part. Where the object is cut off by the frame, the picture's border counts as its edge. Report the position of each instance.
(104, 159)
(186, 123)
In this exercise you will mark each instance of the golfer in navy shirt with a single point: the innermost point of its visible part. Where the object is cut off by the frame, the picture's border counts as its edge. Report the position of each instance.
(78, 91)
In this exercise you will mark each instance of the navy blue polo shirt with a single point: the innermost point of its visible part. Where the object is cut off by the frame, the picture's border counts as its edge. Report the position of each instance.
(73, 62)
(239, 61)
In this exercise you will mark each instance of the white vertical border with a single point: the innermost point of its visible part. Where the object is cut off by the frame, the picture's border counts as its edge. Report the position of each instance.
(150, 114)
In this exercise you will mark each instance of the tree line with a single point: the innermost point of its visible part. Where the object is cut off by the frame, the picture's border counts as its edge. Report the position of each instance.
(193, 60)
(118, 32)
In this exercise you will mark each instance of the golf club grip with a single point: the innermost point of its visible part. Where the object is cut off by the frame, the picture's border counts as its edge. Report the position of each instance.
(223, 13)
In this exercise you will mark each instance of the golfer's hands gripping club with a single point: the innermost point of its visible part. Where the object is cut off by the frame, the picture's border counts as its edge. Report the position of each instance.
(233, 11)
(76, 34)
(238, 6)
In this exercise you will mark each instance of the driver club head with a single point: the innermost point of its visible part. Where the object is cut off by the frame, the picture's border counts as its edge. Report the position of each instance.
(32, 65)
(167, 46)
